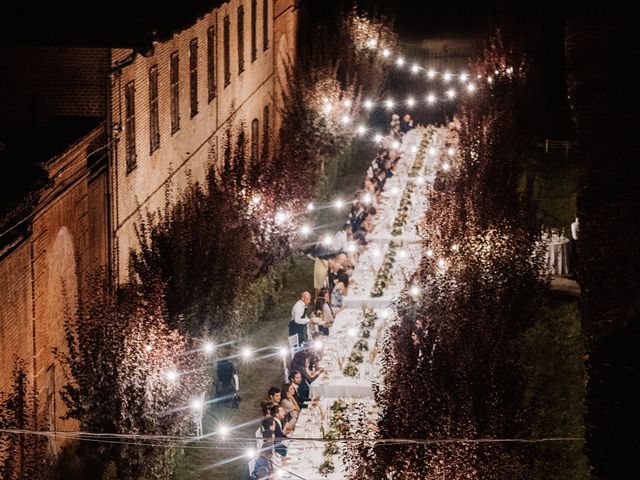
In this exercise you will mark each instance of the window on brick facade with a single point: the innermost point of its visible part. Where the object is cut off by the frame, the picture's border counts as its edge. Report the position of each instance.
(265, 25)
(174, 75)
(265, 131)
(193, 76)
(227, 51)
(154, 114)
(254, 33)
(130, 125)
(240, 39)
(211, 62)
(255, 139)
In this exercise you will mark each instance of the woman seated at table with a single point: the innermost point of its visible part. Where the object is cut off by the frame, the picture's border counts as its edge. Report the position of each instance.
(339, 291)
(323, 312)
(291, 407)
(301, 362)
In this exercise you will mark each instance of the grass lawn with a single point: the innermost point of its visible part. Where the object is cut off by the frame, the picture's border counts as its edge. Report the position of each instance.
(552, 354)
(257, 376)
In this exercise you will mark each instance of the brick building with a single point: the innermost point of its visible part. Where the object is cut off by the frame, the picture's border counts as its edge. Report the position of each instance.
(106, 123)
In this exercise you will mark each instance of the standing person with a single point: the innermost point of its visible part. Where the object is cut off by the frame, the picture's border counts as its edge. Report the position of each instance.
(299, 317)
(323, 309)
(340, 240)
(575, 234)
(339, 291)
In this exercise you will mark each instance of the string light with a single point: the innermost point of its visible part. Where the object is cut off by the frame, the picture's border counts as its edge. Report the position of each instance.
(318, 345)
(223, 430)
(400, 61)
(414, 291)
(372, 43)
(250, 454)
(246, 353)
(395, 145)
(348, 103)
(386, 53)
(490, 79)
(256, 199)
(432, 151)
(346, 120)
(451, 152)
(377, 138)
(281, 217)
(305, 230)
(471, 87)
(209, 347)
(431, 73)
(368, 104)
(284, 351)
(455, 247)
(414, 149)
(431, 98)
(464, 77)
(415, 68)
(446, 167)
(442, 264)
(327, 240)
(429, 253)
(338, 204)
(394, 191)
(328, 108)
(366, 198)
(384, 314)
(352, 332)
(420, 180)
(389, 103)
(411, 102)
(361, 129)
(172, 375)
(402, 254)
(446, 77)
(451, 93)
(196, 404)
(148, 348)
(310, 207)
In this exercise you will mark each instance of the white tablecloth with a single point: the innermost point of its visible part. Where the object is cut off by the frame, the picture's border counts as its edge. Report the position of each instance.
(558, 256)
(346, 387)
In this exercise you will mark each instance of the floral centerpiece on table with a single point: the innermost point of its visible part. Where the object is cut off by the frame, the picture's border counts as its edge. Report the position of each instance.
(331, 449)
(356, 357)
(361, 345)
(351, 370)
(370, 318)
(326, 467)
(403, 210)
(384, 274)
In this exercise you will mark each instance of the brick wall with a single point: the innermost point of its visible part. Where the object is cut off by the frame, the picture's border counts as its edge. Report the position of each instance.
(44, 82)
(40, 277)
(188, 149)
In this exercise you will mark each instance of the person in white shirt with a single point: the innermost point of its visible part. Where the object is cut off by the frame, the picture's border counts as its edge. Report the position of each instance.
(299, 318)
(575, 229)
(340, 240)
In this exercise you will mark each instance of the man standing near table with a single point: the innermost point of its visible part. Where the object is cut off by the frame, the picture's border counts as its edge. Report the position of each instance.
(575, 233)
(299, 318)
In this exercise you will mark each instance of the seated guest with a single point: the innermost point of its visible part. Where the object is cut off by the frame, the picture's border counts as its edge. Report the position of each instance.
(379, 180)
(279, 434)
(290, 405)
(367, 222)
(356, 216)
(406, 123)
(263, 468)
(339, 291)
(274, 396)
(301, 363)
(323, 309)
(301, 387)
(387, 167)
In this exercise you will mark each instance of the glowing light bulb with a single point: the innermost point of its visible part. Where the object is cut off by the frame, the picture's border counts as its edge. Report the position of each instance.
(389, 103)
(386, 53)
(451, 152)
(338, 204)
(402, 254)
(394, 191)
(353, 332)
(361, 129)
(400, 61)
(415, 68)
(446, 167)
(490, 79)
(148, 348)
(196, 404)
(310, 207)
(411, 102)
(455, 247)
(246, 353)
(250, 453)
(464, 77)
(447, 76)
(348, 103)
(366, 198)
(372, 43)
(327, 241)
(442, 263)
(368, 104)
(284, 351)
(328, 108)
(431, 73)
(471, 87)
(351, 248)
(346, 120)
(496, 71)
(172, 375)
(223, 430)
(317, 345)
(429, 253)
(256, 199)
(209, 347)
(414, 149)
(432, 151)
(395, 145)
(376, 252)
(377, 138)
(281, 217)
(420, 181)
(384, 314)
(305, 230)
(414, 291)
(431, 98)
(451, 93)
